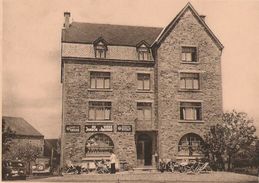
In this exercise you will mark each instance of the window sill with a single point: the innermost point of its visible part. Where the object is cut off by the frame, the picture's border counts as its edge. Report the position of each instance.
(100, 90)
(144, 91)
(189, 90)
(99, 121)
(191, 121)
(144, 121)
(195, 63)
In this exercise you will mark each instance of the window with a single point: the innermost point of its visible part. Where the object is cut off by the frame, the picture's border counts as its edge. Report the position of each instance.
(190, 145)
(189, 54)
(99, 110)
(189, 81)
(99, 144)
(143, 52)
(143, 81)
(190, 111)
(100, 80)
(100, 50)
(144, 111)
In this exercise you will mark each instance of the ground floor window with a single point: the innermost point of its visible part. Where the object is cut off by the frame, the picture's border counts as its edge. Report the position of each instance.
(99, 144)
(190, 145)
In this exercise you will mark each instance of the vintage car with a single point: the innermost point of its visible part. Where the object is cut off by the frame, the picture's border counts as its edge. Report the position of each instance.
(13, 169)
(41, 166)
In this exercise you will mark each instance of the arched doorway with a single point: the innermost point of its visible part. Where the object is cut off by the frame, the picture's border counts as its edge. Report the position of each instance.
(99, 144)
(144, 150)
(190, 145)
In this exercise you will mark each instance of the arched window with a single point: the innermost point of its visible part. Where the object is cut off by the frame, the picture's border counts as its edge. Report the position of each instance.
(99, 144)
(190, 144)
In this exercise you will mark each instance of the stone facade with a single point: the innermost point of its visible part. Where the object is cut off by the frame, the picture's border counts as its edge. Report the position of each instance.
(188, 31)
(165, 127)
(123, 96)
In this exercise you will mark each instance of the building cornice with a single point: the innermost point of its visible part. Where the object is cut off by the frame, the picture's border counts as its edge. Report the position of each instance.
(94, 61)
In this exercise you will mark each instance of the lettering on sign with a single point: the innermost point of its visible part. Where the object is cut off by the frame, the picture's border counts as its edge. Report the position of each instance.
(98, 128)
(72, 129)
(124, 128)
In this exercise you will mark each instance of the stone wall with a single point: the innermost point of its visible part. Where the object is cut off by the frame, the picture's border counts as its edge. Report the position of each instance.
(190, 32)
(123, 95)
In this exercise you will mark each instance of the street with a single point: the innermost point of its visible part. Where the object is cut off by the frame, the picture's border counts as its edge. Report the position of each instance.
(151, 177)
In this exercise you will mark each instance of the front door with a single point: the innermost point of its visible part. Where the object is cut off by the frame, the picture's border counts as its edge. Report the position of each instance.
(144, 150)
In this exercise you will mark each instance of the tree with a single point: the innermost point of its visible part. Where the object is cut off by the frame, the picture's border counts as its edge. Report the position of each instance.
(239, 133)
(214, 146)
(236, 132)
(26, 152)
(7, 135)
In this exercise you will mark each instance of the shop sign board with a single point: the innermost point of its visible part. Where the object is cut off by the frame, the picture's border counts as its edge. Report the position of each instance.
(72, 128)
(98, 128)
(124, 128)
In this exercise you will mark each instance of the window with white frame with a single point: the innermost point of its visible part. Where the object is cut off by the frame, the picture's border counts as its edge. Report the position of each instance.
(189, 54)
(100, 80)
(143, 52)
(100, 50)
(143, 81)
(190, 81)
(190, 111)
(144, 111)
(99, 110)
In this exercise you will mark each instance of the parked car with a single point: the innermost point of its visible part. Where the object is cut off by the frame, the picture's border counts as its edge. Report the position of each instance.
(41, 166)
(13, 169)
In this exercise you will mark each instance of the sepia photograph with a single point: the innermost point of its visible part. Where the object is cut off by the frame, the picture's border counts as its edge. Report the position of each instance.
(130, 91)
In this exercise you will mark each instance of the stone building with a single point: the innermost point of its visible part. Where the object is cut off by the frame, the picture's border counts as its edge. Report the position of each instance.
(140, 91)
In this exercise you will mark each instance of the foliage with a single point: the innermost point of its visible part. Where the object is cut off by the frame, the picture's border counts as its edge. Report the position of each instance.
(7, 135)
(214, 146)
(26, 152)
(235, 133)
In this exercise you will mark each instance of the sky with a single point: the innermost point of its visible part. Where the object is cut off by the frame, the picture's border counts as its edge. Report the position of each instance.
(31, 44)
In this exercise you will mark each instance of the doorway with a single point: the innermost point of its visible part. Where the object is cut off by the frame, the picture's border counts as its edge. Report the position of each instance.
(144, 150)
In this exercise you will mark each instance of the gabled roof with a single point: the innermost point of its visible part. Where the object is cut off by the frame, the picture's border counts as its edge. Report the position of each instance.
(114, 34)
(173, 23)
(20, 126)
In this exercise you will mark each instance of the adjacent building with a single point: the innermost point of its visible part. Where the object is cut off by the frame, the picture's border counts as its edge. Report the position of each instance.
(139, 91)
(24, 133)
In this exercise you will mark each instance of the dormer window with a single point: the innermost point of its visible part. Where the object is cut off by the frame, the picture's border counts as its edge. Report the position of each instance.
(143, 52)
(100, 48)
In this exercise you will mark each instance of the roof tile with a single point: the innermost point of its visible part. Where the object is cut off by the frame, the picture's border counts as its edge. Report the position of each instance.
(120, 35)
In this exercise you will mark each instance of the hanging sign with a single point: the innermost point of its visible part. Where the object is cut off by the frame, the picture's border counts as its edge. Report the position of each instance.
(124, 128)
(72, 129)
(98, 128)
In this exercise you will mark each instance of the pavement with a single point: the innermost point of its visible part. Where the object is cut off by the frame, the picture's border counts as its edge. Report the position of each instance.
(152, 177)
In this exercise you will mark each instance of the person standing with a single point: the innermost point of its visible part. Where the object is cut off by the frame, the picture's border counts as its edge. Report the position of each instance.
(113, 161)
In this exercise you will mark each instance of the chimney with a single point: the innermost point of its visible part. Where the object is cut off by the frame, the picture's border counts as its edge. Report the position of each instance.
(203, 17)
(67, 19)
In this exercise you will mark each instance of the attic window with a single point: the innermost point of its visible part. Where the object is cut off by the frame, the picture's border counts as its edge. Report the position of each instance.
(143, 52)
(100, 50)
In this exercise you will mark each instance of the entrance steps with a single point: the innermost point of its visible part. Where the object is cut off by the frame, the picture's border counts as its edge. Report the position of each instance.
(145, 169)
